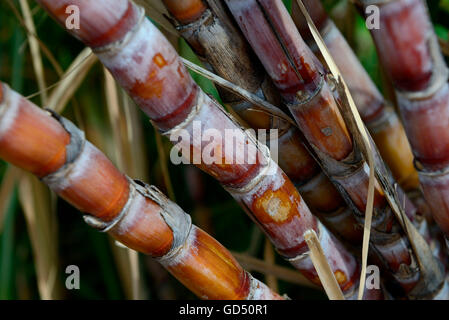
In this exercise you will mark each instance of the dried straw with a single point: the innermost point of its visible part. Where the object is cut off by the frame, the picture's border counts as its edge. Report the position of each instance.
(322, 267)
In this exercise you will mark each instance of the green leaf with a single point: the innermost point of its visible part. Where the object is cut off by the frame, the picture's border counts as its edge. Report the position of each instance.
(7, 251)
(288, 5)
(442, 32)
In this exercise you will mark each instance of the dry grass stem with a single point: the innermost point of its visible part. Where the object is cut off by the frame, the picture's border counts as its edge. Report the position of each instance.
(322, 267)
(164, 165)
(71, 80)
(34, 48)
(262, 105)
(368, 152)
(281, 273)
(7, 186)
(42, 229)
(269, 258)
(35, 197)
(42, 46)
(123, 159)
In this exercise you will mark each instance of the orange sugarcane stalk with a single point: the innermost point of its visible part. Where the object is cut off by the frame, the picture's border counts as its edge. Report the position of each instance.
(305, 88)
(212, 35)
(383, 123)
(409, 50)
(149, 69)
(135, 214)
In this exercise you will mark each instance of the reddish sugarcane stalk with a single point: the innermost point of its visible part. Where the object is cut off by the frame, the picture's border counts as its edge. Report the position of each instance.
(384, 125)
(135, 214)
(149, 69)
(210, 32)
(409, 51)
(305, 89)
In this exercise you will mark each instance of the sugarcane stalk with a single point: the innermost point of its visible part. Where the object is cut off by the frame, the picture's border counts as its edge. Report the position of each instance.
(384, 125)
(148, 68)
(409, 51)
(135, 214)
(212, 35)
(308, 91)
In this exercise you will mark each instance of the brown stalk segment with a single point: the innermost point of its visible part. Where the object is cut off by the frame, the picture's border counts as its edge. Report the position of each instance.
(296, 72)
(148, 68)
(383, 123)
(139, 221)
(100, 192)
(47, 147)
(410, 53)
(223, 48)
(200, 250)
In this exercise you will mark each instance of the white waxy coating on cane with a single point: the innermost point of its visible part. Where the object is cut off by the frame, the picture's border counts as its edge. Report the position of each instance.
(259, 291)
(137, 212)
(188, 250)
(131, 64)
(9, 110)
(134, 55)
(76, 170)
